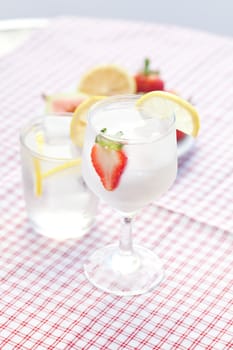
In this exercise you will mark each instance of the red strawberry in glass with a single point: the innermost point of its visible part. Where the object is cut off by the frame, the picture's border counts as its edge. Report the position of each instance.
(109, 161)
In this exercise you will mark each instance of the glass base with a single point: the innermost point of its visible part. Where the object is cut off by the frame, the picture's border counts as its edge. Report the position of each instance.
(63, 227)
(122, 273)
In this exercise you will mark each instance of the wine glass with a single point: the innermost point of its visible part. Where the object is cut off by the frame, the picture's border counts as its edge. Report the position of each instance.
(129, 160)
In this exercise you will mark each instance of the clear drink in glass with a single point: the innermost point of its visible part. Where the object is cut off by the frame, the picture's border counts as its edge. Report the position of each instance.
(58, 202)
(148, 148)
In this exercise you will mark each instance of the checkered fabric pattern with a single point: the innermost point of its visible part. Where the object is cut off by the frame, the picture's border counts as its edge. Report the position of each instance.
(45, 300)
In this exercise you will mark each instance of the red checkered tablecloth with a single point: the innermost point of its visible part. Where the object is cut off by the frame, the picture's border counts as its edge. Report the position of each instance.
(45, 300)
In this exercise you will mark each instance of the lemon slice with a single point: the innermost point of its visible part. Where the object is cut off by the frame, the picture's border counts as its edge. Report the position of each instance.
(61, 167)
(37, 165)
(39, 176)
(107, 80)
(164, 104)
(79, 120)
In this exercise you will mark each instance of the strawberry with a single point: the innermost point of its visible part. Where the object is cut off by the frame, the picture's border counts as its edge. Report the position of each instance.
(108, 160)
(148, 80)
(180, 135)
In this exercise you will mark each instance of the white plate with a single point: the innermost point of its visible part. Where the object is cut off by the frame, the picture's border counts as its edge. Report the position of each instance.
(185, 145)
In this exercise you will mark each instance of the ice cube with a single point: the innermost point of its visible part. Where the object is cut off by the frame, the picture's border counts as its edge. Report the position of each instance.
(148, 128)
(56, 128)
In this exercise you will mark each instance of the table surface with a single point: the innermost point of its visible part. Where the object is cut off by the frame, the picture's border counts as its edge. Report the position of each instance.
(45, 300)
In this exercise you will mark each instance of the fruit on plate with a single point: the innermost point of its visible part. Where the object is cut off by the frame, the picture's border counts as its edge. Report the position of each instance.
(63, 102)
(109, 161)
(103, 80)
(107, 80)
(164, 104)
(148, 80)
(79, 120)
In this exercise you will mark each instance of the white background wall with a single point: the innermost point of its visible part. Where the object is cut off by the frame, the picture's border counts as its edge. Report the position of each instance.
(212, 15)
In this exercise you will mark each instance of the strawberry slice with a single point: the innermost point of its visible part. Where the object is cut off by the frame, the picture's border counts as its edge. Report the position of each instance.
(109, 161)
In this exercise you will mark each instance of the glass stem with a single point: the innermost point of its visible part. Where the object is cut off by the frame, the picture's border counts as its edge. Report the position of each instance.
(126, 244)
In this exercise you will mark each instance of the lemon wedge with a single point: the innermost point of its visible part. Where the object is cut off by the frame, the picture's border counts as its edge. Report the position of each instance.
(79, 120)
(163, 104)
(107, 80)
